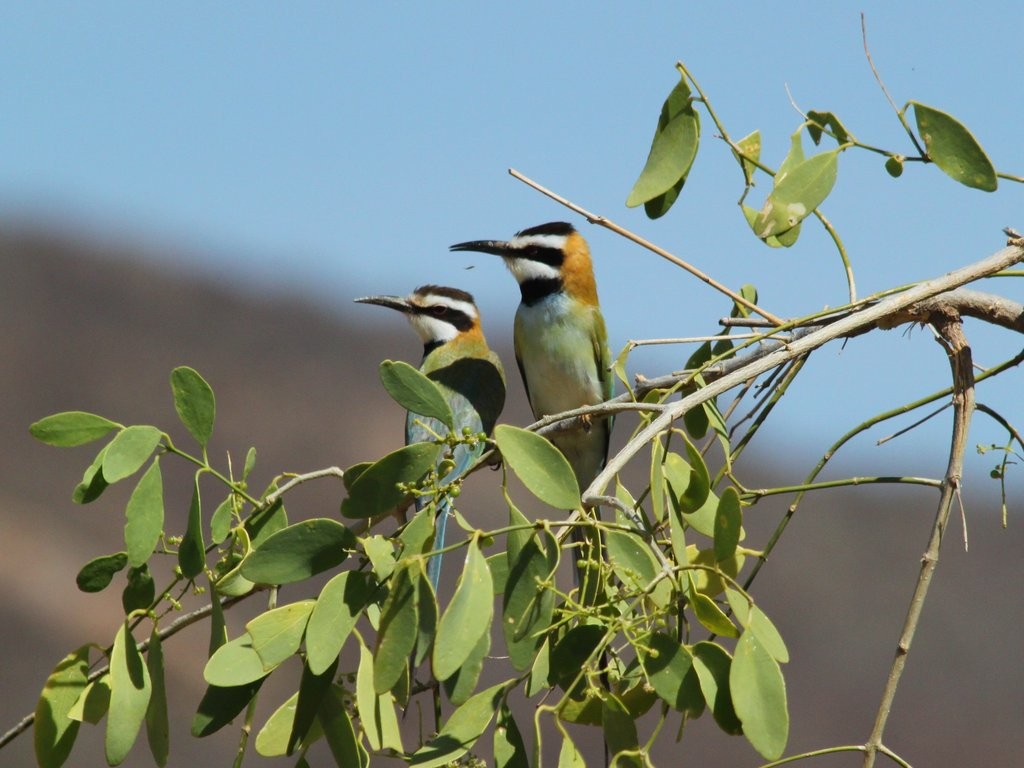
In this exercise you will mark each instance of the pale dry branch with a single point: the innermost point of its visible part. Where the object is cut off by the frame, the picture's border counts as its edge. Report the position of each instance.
(950, 329)
(852, 324)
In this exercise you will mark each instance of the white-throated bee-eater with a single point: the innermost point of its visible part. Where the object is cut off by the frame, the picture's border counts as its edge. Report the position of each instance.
(559, 335)
(457, 359)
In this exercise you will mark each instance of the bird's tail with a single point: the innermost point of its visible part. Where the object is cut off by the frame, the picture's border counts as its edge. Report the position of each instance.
(444, 509)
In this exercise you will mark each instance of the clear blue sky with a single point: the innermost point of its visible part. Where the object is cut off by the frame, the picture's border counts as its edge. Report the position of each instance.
(339, 148)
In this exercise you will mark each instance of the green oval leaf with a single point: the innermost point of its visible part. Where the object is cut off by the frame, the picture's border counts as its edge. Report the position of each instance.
(54, 732)
(751, 215)
(509, 747)
(571, 654)
(71, 428)
(635, 564)
(140, 591)
(759, 697)
(97, 574)
(128, 451)
(367, 699)
(749, 153)
(669, 667)
(192, 551)
(158, 729)
(709, 614)
(699, 487)
(620, 733)
(130, 690)
(427, 611)
(728, 524)
(299, 551)
(673, 149)
(467, 617)
(797, 194)
(220, 521)
(657, 207)
(396, 637)
(272, 739)
(462, 729)
(93, 483)
(194, 402)
(339, 731)
(542, 467)
(826, 120)
(412, 390)
(312, 690)
(712, 663)
(219, 706)
(338, 608)
(94, 702)
(376, 490)
(144, 516)
(276, 634)
(953, 148)
(755, 620)
(234, 664)
(462, 683)
(529, 599)
(569, 756)
(229, 579)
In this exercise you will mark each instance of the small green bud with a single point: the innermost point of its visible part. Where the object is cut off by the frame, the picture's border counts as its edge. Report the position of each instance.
(894, 166)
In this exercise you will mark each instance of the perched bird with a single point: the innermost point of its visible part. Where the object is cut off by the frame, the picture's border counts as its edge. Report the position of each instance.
(559, 335)
(456, 358)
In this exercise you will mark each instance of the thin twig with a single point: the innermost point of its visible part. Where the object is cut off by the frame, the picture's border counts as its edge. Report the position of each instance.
(878, 78)
(171, 629)
(593, 218)
(915, 425)
(298, 479)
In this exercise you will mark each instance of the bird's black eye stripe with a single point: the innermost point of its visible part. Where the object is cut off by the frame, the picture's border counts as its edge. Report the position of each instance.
(454, 317)
(553, 257)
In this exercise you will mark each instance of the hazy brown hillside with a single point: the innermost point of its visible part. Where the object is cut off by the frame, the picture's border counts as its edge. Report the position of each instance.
(87, 328)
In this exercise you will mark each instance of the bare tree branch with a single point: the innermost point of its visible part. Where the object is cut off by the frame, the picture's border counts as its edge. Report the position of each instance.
(801, 345)
(950, 328)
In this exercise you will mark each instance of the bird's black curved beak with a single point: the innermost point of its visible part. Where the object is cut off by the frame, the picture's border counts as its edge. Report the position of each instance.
(495, 247)
(394, 302)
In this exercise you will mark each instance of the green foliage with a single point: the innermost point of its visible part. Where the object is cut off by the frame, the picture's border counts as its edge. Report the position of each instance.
(672, 153)
(381, 486)
(55, 731)
(648, 588)
(467, 618)
(194, 402)
(128, 451)
(97, 574)
(145, 516)
(953, 148)
(298, 552)
(759, 696)
(541, 466)
(415, 392)
(71, 428)
(660, 624)
(130, 691)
